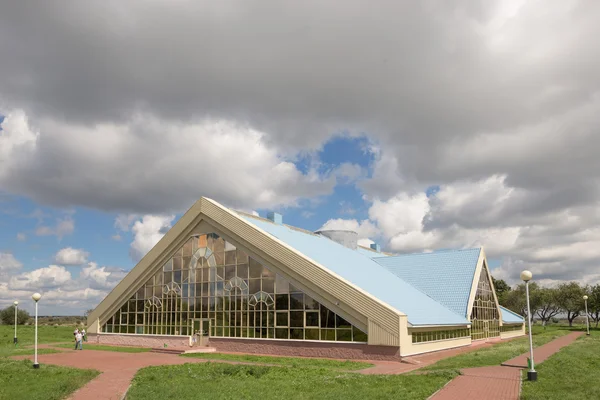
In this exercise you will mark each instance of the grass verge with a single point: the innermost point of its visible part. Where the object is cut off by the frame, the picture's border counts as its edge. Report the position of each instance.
(18, 380)
(225, 381)
(498, 353)
(10, 350)
(121, 349)
(572, 373)
(284, 361)
(25, 334)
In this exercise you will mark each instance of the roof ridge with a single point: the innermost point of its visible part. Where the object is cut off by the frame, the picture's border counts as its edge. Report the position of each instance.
(424, 253)
(387, 254)
(296, 228)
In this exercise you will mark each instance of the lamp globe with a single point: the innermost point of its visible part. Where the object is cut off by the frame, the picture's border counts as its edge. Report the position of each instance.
(526, 276)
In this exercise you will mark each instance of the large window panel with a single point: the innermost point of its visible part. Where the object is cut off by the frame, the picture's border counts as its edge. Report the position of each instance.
(209, 278)
(485, 318)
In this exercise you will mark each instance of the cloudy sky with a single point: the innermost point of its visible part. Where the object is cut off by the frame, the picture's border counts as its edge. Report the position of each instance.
(422, 125)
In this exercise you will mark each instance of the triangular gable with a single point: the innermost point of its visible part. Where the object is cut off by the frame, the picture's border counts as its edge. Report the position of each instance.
(482, 267)
(445, 276)
(273, 251)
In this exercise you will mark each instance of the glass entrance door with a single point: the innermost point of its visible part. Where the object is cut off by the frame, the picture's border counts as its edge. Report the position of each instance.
(201, 331)
(486, 329)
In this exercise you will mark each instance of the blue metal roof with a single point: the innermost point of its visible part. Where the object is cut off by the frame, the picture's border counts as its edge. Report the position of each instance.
(363, 272)
(510, 317)
(370, 253)
(446, 276)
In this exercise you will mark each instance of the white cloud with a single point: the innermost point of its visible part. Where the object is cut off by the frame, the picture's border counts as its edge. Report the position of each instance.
(60, 290)
(401, 214)
(346, 208)
(526, 228)
(147, 232)
(348, 172)
(116, 237)
(117, 166)
(386, 179)
(64, 226)
(101, 278)
(307, 214)
(123, 221)
(17, 140)
(71, 256)
(21, 237)
(52, 276)
(9, 264)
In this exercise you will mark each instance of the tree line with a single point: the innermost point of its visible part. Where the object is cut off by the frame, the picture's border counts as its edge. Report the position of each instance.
(7, 316)
(549, 302)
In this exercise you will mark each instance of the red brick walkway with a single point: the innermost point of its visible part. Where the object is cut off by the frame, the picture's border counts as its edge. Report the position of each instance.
(118, 369)
(499, 382)
(544, 351)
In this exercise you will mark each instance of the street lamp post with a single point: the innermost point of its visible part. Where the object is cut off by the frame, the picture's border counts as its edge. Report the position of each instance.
(36, 297)
(531, 374)
(587, 316)
(16, 303)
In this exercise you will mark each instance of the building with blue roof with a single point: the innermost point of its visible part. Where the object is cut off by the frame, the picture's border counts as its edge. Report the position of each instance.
(238, 282)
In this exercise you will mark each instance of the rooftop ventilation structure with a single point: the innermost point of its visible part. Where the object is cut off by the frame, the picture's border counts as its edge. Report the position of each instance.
(348, 239)
(376, 247)
(275, 217)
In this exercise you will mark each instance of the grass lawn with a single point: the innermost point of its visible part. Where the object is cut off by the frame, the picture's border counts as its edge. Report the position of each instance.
(225, 381)
(10, 350)
(324, 380)
(287, 361)
(121, 349)
(25, 334)
(18, 379)
(500, 352)
(572, 373)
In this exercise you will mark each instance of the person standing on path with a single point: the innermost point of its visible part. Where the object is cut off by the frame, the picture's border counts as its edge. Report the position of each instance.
(75, 332)
(78, 341)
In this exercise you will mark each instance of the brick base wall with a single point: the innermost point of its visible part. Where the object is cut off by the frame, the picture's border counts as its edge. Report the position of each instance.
(346, 351)
(140, 340)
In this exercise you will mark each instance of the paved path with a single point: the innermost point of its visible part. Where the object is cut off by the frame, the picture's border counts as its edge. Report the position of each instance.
(544, 351)
(118, 369)
(499, 382)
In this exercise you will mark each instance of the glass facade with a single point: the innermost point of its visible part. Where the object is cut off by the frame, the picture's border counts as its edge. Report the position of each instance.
(209, 279)
(511, 328)
(432, 336)
(485, 318)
